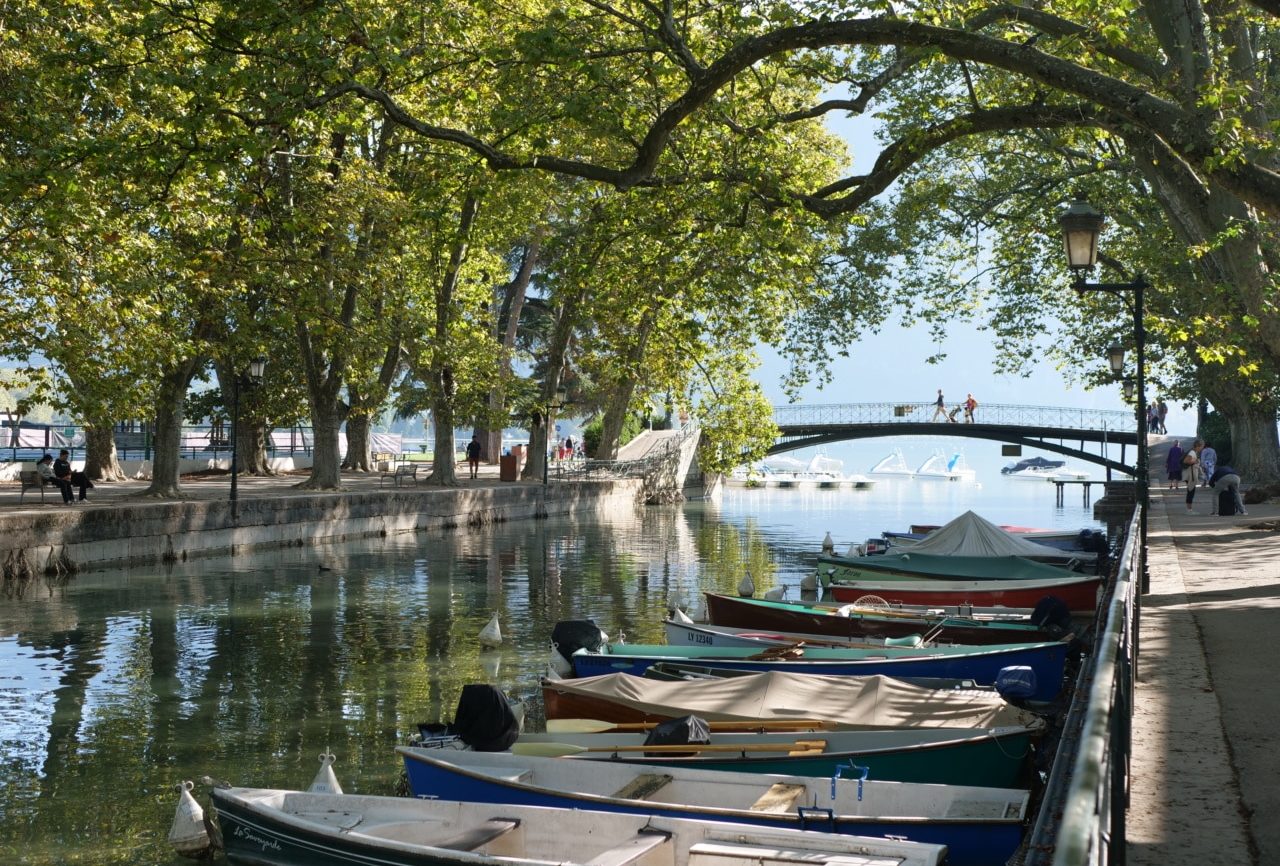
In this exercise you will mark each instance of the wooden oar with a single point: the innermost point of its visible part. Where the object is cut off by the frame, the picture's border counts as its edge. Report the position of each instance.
(596, 726)
(556, 750)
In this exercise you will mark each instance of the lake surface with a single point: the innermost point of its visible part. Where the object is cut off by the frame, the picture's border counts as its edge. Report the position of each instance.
(121, 684)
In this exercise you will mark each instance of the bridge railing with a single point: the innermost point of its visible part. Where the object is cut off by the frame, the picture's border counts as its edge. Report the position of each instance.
(987, 413)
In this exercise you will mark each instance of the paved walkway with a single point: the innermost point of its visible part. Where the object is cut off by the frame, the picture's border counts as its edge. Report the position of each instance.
(1205, 761)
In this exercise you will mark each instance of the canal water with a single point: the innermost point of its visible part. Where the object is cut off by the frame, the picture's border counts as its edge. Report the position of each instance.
(120, 684)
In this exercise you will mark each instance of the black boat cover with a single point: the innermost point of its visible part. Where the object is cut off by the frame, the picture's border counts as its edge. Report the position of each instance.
(571, 635)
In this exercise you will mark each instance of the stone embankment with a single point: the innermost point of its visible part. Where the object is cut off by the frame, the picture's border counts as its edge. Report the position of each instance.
(115, 528)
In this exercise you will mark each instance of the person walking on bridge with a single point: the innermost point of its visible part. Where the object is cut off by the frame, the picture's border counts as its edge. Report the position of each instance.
(970, 406)
(939, 407)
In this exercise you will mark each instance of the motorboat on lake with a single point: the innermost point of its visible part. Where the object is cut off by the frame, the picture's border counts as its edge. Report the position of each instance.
(1043, 469)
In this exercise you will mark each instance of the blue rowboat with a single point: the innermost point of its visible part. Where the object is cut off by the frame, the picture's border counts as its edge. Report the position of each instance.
(979, 826)
(980, 664)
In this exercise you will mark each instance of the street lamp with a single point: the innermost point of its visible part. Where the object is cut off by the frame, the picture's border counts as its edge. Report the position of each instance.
(1081, 226)
(241, 381)
(1126, 388)
(560, 402)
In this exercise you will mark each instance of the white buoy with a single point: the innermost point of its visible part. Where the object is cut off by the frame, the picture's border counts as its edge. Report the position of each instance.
(675, 601)
(828, 544)
(325, 781)
(747, 586)
(778, 593)
(604, 636)
(551, 674)
(491, 634)
(188, 835)
(492, 664)
(854, 550)
(681, 617)
(809, 583)
(558, 663)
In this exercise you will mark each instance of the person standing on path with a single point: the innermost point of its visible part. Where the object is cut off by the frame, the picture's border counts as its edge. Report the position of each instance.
(473, 456)
(1191, 471)
(1162, 409)
(939, 407)
(1208, 462)
(1173, 465)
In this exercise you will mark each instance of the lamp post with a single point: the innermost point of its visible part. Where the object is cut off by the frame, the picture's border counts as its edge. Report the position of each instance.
(1081, 226)
(242, 381)
(559, 403)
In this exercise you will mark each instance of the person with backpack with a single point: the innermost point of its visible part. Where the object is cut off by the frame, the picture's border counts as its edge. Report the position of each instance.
(1226, 480)
(970, 406)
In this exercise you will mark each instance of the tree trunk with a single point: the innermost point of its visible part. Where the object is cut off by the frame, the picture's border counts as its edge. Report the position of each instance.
(615, 416)
(358, 456)
(1255, 446)
(251, 446)
(509, 319)
(444, 469)
(171, 398)
(326, 473)
(100, 462)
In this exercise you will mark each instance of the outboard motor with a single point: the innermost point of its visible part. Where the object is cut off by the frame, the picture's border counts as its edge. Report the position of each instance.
(571, 635)
(678, 732)
(483, 720)
(1016, 683)
(1052, 615)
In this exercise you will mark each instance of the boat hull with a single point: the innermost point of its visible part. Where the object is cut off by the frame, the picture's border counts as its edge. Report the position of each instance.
(982, 665)
(804, 619)
(910, 565)
(1080, 596)
(970, 842)
(251, 837)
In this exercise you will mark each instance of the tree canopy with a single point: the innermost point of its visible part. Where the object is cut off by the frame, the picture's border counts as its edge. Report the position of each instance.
(344, 185)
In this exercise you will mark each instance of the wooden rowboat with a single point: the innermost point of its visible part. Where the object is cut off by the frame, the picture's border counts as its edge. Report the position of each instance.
(1080, 595)
(850, 625)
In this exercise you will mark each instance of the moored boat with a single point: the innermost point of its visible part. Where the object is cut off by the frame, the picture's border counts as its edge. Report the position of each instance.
(852, 624)
(1079, 593)
(837, 702)
(910, 565)
(293, 828)
(979, 825)
(980, 664)
(693, 634)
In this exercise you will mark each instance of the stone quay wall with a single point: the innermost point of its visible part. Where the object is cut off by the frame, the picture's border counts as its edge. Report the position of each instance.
(62, 541)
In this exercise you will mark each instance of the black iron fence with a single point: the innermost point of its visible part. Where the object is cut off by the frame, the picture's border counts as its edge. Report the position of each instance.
(1081, 820)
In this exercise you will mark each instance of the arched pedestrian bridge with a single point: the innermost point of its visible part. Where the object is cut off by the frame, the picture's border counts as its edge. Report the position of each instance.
(1086, 434)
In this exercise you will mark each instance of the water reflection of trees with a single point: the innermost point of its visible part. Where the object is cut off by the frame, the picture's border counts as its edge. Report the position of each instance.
(247, 669)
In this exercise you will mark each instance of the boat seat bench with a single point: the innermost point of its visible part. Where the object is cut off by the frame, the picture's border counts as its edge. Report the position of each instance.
(633, 849)
(643, 785)
(476, 837)
(781, 797)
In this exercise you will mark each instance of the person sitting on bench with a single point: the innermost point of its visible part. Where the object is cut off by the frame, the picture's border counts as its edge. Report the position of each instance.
(62, 469)
(44, 466)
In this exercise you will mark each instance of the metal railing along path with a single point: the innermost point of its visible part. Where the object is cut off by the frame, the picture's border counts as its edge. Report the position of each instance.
(1081, 820)
(581, 469)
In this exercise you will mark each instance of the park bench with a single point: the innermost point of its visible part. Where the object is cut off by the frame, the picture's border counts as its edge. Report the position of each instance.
(31, 480)
(404, 471)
